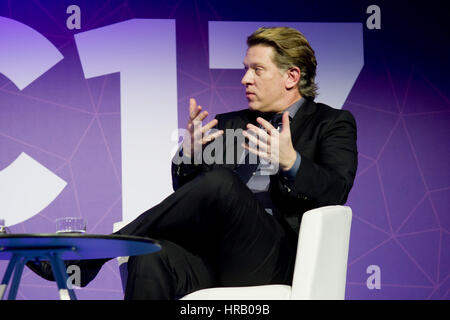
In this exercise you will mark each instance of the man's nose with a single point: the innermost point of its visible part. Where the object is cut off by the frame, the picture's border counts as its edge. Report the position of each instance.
(247, 78)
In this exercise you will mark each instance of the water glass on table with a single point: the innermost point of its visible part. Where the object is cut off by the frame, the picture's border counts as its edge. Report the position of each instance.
(70, 225)
(3, 228)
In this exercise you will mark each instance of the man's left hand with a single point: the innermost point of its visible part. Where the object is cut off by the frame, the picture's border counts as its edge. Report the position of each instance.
(272, 145)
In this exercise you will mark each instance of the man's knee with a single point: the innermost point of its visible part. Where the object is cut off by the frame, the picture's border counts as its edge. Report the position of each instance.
(140, 265)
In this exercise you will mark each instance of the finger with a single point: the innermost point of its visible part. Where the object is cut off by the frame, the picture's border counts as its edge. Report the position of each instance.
(285, 121)
(201, 116)
(209, 125)
(261, 154)
(258, 131)
(260, 134)
(192, 105)
(266, 124)
(197, 130)
(262, 145)
(212, 136)
(194, 110)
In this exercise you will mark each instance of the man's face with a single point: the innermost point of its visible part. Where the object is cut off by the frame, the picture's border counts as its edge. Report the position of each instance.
(263, 81)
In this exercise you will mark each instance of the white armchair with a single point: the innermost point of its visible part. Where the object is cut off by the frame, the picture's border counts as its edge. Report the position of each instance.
(320, 267)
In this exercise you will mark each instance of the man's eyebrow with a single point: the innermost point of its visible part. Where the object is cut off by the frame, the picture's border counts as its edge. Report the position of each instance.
(255, 64)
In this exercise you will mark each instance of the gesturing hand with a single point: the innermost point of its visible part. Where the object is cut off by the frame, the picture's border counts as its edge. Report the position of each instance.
(270, 144)
(197, 134)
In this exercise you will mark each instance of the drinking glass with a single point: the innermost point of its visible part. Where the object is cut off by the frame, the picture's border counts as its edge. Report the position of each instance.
(70, 225)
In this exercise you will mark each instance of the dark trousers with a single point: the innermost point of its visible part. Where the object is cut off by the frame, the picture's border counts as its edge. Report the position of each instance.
(213, 232)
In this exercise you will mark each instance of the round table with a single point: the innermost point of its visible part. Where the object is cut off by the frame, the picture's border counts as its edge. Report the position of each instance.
(21, 248)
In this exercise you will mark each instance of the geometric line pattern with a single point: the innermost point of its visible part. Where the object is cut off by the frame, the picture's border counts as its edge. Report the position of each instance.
(400, 196)
(427, 254)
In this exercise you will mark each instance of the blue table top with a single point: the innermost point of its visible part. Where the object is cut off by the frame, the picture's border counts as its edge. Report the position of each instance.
(78, 246)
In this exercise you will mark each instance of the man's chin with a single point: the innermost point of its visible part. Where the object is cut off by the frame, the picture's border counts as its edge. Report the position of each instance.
(254, 106)
(257, 107)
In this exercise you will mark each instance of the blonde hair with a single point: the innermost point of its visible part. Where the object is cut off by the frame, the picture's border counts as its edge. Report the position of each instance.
(291, 50)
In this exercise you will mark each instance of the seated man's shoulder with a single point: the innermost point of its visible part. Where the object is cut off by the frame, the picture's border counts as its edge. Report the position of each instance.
(330, 113)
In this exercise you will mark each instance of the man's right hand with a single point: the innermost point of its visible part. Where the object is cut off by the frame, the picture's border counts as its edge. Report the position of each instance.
(197, 135)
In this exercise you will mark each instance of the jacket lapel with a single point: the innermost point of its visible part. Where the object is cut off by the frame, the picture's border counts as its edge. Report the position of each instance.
(301, 118)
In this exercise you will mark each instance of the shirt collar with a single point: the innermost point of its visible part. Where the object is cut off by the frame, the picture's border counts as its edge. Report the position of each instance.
(293, 108)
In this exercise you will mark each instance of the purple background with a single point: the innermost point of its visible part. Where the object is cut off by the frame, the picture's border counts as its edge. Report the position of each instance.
(400, 101)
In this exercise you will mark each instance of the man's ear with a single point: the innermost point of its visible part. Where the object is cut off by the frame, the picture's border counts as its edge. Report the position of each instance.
(292, 77)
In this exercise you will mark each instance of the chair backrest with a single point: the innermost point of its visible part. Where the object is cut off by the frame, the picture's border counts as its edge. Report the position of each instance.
(322, 253)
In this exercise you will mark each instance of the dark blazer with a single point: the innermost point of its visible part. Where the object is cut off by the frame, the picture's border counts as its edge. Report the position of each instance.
(326, 140)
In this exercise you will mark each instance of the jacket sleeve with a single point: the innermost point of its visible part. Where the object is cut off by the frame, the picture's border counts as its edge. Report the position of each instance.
(183, 170)
(328, 179)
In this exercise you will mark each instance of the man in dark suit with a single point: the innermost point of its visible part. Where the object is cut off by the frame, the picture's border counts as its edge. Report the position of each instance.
(232, 221)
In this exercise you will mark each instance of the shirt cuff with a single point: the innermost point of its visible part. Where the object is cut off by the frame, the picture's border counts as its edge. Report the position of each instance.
(292, 172)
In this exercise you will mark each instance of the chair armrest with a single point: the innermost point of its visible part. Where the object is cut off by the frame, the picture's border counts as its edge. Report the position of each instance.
(321, 265)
